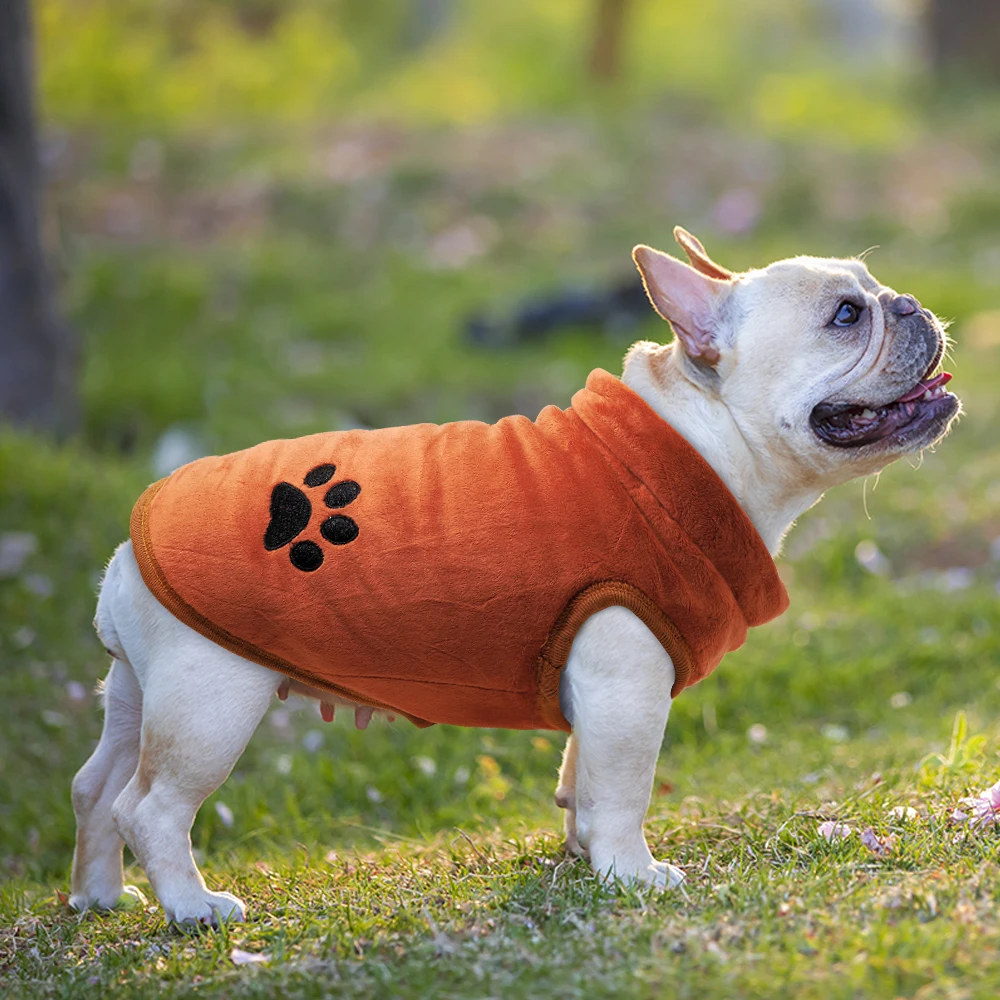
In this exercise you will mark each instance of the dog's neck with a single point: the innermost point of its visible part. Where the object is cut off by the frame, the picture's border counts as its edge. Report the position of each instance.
(707, 425)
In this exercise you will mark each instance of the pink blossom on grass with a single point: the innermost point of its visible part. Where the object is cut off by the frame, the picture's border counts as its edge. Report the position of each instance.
(834, 830)
(980, 810)
(880, 845)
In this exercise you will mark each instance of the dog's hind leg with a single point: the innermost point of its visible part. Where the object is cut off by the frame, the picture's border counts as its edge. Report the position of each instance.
(615, 692)
(201, 706)
(97, 860)
(566, 794)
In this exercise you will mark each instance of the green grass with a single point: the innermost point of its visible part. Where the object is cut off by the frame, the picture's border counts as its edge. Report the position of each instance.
(407, 863)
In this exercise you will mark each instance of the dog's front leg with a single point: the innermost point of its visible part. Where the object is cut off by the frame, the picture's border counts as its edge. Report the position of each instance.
(615, 692)
(566, 794)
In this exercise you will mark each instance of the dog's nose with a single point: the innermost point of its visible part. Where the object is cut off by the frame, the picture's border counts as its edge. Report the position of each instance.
(905, 305)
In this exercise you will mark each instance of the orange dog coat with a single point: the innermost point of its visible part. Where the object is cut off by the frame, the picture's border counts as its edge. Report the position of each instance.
(441, 572)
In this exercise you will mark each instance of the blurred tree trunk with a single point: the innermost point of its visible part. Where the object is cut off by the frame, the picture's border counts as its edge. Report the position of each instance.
(608, 39)
(965, 35)
(36, 349)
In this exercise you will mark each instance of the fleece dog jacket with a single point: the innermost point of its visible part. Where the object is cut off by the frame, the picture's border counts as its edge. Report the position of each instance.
(441, 572)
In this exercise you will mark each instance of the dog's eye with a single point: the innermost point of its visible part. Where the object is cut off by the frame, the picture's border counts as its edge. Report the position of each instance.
(847, 314)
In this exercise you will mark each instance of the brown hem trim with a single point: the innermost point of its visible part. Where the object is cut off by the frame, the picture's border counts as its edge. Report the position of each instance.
(156, 581)
(590, 600)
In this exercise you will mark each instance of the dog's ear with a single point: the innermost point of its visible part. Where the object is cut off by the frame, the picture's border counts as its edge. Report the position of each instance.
(698, 256)
(687, 299)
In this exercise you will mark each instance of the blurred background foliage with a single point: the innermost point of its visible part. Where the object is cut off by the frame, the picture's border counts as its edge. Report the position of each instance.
(264, 181)
(776, 66)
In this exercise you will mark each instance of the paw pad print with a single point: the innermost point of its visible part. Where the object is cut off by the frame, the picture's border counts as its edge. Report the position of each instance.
(291, 511)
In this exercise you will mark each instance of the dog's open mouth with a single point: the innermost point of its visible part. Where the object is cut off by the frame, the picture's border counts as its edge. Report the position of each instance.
(851, 426)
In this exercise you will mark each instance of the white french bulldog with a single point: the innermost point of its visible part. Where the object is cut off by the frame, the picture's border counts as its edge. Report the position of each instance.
(787, 380)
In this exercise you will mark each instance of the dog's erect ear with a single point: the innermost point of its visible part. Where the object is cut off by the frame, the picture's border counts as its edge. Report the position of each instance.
(687, 299)
(698, 256)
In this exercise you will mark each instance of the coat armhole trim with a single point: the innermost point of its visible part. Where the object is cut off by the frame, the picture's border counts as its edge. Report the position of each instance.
(155, 579)
(590, 600)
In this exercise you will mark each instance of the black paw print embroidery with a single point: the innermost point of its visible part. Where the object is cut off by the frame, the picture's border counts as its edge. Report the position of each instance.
(291, 511)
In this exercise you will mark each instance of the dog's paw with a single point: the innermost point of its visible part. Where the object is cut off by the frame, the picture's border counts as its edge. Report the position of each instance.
(567, 800)
(291, 512)
(662, 875)
(206, 909)
(634, 865)
(657, 874)
(128, 899)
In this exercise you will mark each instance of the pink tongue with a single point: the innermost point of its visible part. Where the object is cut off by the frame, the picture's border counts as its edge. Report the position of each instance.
(942, 378)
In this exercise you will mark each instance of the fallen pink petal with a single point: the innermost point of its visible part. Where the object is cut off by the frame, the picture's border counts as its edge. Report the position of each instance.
(993, 796)
(834, 830)
(880, 845)
(980, 810)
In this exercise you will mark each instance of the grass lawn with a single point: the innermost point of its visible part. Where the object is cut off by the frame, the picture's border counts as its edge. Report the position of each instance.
(401, 863)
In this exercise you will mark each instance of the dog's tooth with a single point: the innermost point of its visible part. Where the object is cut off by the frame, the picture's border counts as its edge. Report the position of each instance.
(867, 414)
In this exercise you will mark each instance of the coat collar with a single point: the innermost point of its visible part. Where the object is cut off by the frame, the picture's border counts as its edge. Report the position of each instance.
(687, 490)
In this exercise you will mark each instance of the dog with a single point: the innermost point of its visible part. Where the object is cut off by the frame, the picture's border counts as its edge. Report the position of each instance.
(779, 383)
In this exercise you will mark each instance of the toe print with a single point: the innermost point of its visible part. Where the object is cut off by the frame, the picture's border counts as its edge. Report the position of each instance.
(291, 511)
(306, 556)
(320, 476)
(341, 494)
(339, 530)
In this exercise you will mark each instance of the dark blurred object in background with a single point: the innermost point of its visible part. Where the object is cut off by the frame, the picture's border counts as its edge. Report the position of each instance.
(37, 356)
(608, 39)
(965, 35)
(616, 310)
